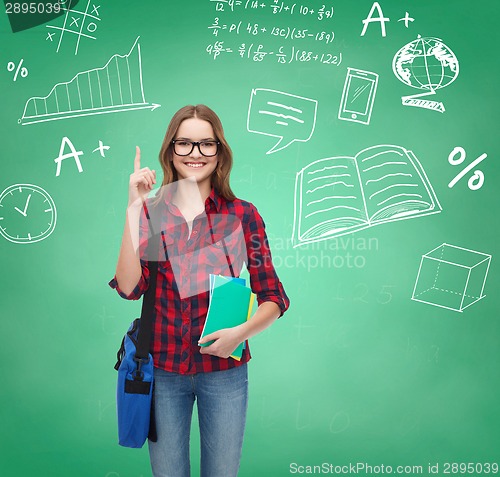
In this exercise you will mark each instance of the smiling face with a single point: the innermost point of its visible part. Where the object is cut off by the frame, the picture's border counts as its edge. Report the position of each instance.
(195, 164)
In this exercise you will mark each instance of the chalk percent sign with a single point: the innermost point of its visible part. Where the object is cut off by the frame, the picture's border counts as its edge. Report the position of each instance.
(11, 66)
(476, 181)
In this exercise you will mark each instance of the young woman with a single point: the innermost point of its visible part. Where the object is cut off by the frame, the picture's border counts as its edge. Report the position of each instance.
(205, 229)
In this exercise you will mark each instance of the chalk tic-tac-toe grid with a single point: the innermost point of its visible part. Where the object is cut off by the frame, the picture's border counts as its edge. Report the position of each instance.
(77, 23)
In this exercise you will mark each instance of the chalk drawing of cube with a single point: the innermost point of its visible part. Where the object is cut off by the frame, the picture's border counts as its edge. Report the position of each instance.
(451, 277)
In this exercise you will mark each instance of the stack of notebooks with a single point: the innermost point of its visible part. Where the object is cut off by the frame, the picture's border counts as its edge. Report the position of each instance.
(231, 304)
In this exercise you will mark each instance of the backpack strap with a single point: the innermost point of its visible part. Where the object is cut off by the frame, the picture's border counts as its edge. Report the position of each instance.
(120, 354)
(148, 301)
(223, 244)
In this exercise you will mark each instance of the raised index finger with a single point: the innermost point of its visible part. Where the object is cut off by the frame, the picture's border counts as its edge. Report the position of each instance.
(137, 159)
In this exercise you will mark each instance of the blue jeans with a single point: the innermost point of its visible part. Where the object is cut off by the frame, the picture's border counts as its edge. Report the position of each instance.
(222, 398)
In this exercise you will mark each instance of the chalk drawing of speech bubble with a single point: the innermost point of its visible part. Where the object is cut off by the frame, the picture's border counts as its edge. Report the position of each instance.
(287, 116)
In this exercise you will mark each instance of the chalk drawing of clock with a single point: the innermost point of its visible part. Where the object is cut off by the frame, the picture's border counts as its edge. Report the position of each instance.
(27, 213)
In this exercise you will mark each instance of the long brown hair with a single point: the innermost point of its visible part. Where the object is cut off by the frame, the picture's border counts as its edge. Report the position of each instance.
(220, 177)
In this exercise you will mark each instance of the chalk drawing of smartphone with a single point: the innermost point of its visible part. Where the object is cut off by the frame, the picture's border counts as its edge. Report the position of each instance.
(358, 96)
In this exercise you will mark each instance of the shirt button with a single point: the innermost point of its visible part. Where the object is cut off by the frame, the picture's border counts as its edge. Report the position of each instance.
(195, 232)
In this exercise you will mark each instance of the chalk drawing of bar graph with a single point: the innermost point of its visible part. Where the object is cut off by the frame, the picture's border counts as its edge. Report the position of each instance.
(115, 87)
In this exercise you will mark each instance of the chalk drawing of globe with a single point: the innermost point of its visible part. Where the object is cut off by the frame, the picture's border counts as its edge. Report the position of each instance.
(425, 63)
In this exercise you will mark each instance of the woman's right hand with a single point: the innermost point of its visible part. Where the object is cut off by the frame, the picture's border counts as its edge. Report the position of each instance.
(141, 181)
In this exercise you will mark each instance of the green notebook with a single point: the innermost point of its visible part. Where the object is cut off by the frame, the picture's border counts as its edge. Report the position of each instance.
(230, 305)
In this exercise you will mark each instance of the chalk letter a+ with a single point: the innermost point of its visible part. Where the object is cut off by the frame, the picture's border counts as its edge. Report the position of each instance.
(62, 156)
(370, 19)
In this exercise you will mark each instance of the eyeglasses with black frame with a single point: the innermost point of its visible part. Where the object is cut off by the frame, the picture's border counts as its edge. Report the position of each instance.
(183, 147)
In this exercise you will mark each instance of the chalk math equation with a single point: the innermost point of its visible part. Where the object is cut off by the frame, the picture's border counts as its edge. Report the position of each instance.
(286, 33)
(255, 34)
(283, 55)
(277, 7)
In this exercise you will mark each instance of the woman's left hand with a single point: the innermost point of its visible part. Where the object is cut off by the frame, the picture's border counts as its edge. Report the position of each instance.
(226, 341)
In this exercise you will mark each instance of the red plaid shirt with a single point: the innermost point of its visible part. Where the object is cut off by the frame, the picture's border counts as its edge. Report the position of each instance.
(182, 295)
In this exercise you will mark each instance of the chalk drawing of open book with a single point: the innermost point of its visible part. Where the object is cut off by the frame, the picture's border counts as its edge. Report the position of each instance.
(339, 195)
(113, 88)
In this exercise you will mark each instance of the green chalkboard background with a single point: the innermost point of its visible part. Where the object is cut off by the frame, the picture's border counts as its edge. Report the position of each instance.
(356, 371)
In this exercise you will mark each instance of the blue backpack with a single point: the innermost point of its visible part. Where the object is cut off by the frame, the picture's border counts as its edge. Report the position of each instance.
(134, 394)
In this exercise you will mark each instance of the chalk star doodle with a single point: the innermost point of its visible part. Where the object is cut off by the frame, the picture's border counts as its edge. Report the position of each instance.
(81, 23)
(101, 148)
